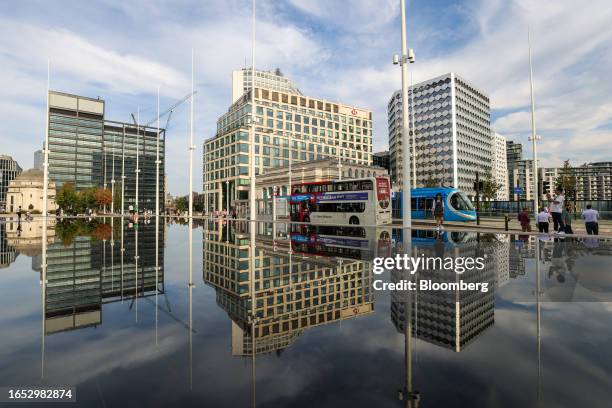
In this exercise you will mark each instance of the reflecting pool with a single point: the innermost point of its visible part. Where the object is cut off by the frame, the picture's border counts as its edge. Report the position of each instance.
(276, 315)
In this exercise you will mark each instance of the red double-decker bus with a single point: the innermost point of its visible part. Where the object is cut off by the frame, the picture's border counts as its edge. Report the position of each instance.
(364, 201)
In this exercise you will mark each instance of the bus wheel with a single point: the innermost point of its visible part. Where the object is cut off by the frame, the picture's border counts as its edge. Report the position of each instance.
(354, 220)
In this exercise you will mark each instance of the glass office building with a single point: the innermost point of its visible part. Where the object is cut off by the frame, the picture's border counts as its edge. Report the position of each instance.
(9, 170)
(90, 151)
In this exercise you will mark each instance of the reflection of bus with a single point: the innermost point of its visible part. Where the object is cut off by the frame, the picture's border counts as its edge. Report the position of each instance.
(431, 237)
(357, 201)
(457, 207)
(343, 242)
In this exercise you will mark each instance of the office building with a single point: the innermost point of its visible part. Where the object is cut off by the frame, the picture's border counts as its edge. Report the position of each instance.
(242, 80)
(39, 160)
(453, 133)
(547, 177)
(287, 127)
(381, 159)
(9, 169)
(90, 151)
(291, 292)
(594, 181)
(520, 180)
(8, 253)
(499, 165)
(514, 151)
(26, 191)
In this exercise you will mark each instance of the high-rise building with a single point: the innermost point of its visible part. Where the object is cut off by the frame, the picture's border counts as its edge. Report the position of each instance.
(9, 169)
(39, 160)
(514, 151)
(453, 132)
(90, 151)
(520, 178)
(594, 181)
(381, 159)
(287, 127)
(242, 80)
(499, 165)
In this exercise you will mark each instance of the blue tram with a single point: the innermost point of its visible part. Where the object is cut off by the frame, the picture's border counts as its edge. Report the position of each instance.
(457, 206)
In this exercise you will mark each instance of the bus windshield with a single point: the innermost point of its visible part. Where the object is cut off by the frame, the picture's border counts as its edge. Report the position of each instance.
(459, 201)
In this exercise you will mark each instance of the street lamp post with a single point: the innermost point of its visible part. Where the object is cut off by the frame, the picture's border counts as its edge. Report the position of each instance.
(533, 137)
(252, 210)
(406, 58)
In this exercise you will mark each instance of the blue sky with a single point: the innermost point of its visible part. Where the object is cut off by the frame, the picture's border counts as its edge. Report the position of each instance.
(335, 49)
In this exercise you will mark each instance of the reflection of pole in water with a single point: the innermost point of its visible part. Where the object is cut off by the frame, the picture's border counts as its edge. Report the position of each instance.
(136, 269)
(407, 394)
(121, 253)
(538, 317)
(156, 274)
(44, 227)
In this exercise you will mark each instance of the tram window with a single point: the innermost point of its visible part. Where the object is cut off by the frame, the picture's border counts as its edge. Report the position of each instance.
(413, 203)
(460, 202)
(421, 204)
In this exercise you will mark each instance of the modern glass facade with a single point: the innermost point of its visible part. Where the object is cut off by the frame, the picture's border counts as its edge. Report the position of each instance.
(89, 151)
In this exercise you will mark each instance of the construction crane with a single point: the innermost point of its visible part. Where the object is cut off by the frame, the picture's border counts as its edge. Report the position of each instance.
(167, 111)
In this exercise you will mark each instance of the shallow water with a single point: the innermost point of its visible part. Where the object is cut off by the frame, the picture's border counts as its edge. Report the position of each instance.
(318, 334)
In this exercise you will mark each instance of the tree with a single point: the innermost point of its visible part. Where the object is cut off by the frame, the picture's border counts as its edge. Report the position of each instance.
(86, 199)
(182, 203)
(66, 197)
(430, 182)
(490, 187)
(103, 196)
(567, 180)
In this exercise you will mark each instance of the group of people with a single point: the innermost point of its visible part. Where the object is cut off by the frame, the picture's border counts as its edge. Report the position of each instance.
(28, 215)
(560, 212)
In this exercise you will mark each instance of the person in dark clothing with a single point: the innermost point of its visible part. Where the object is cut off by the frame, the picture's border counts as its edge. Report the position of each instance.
(523, 219)
(19, 214)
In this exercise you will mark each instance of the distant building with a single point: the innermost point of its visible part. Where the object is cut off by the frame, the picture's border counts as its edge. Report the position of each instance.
(9, 169)
(453, 132)
(499, 165)
(273, 80)
(381, 159)
(39, 160)
(520, 176)
(26, 191)
(88, 150)
(547, 178)
(594, 181)
(514, 151)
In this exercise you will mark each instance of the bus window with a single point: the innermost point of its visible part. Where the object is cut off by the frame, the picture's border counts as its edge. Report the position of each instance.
(366, 185)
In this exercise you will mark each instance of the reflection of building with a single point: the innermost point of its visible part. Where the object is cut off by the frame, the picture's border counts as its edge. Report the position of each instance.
(7, 251)
(288, 299)
(9, 169)
(453, 318)
(26, 191)
(26, 237)
(287, 126)
(87, 150)
(453, 132)
(86, 271)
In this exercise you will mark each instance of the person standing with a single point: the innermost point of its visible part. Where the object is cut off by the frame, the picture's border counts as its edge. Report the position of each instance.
(591, 220)
(523, 219)
(556, 209)
(567, 218)
(19, 214)
(438, 211)
(542, 220)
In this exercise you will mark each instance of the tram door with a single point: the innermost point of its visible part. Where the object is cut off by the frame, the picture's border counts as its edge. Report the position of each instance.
(428, 206)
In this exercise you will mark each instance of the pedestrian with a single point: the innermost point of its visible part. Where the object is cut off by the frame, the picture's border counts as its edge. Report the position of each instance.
(567, 218)
(556, 209)
(591, 220)
(523, 219)
(19, 214)
(542, 220)
(438, 211)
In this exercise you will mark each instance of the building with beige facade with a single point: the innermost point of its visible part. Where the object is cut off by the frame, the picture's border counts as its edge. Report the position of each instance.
(242, 80)
(26, 192)
(288, 127)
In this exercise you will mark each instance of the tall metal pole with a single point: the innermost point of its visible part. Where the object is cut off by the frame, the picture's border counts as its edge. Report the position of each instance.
(137, 159)
(414, 178)
(46, 160)
(533, 136)
(157, 162)
(191, 146)
(113, 178)
(252, 209)
(406, 196)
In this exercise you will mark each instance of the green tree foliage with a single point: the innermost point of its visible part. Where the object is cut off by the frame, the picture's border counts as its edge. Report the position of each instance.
(567, 179)
(490, 187)
(66, 197)
(182, 203)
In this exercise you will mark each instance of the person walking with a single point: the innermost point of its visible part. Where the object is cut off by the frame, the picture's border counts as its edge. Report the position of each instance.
(523, 219)
(19, 214)
(438, 211)
(542, 220)
(591, 220)
(556, 209)
(567, 218)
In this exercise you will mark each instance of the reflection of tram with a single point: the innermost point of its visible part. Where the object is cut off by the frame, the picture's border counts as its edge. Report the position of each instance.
(430, 237)
(457, 206)
(343, 242)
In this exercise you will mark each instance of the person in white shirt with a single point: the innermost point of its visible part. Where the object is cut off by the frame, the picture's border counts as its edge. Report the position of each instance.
(556, 209)
(591, 220)
(542, 220)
